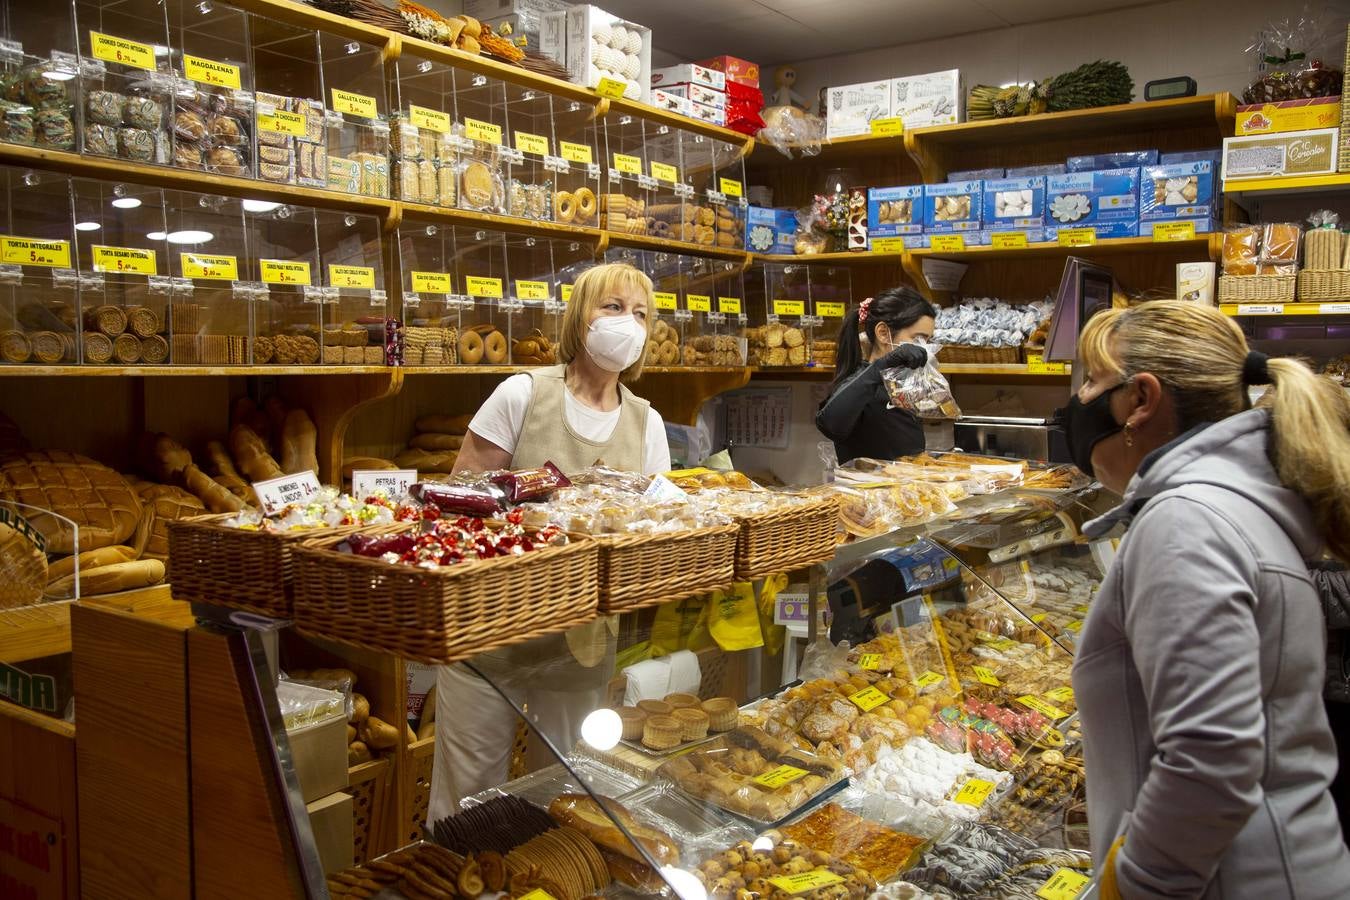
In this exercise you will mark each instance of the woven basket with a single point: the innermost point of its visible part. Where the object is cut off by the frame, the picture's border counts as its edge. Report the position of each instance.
(368, 784)
(779, 541)
(1326, 284)
(417, 789)
(640, 570)
(235, 567)
(961, 353)
(447, 614)
(1261, 288)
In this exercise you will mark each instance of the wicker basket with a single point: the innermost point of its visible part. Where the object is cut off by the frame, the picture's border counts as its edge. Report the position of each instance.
(1258, 288)
(417, 789)
(368, 784)
(235, 567)
(781, 541)
(447, 614)
(961, 353)
(1323, 285)
(640, 570)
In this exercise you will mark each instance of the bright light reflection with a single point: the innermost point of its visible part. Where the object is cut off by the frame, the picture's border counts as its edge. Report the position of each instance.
(684, 883)
(126, 202)
(156, 236)
(189, 237)
(602, 729)
(762, 845)
(87, 226)
(259, 206)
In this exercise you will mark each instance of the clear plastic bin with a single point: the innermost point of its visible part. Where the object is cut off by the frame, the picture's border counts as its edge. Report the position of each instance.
(432, 299)
(286, 280)
(627, 188)
(39, 285)
(39, 75)
(212, 115)
(126, 80)
(532, 302)
(212, 302)
(355, 304)
(485, 337)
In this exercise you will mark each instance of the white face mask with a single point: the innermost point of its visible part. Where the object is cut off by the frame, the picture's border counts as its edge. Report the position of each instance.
(616, 342)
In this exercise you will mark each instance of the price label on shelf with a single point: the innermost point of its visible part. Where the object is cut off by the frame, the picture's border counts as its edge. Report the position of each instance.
(611, 88)
(209, 71)
(868, 699)
(532, 143)
(1065, 884)
(1061, 694)
(789, 307)
(1075, 626)
(777, 777)
(1045, 709)
(538, 894)
(930, 678)
(577, 153)
(665, 300)
(118, 50)
(208, 267)
(947, 243)
(698, 302)
(870, 661)
(1082, 610)
(394, 482)
(891, 126)
(1036, 365)
(432, 283)
(22, 251)
(1173, 231)
(279, 121)
(665, 172)
(532, 290)
(1333, 309)
(276, 271)
(985, 675)
(629, 165)
(1077, 237)
(566, 291)
(729, 305)
(888, 245)
(1008, 240)
(1039, 617)
(430, 119)
(351, 276)
(974, 792)
(805, 881)
(478, 130)
(275, 494)
(731, 187)
(828, 309)
(1260, 309)
(125, 260)
(353, 104)
(481, 286)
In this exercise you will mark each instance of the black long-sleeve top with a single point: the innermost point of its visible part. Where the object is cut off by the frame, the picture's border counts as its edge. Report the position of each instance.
(857, 419)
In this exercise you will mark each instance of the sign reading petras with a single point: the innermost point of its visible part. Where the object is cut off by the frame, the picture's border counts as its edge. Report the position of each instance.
(394, 483)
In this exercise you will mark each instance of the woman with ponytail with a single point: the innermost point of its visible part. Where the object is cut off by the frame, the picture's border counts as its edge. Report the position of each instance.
(880, 334)
(1199, 671)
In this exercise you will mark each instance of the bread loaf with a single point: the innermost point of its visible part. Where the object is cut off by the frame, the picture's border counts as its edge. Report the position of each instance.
(216, 497)
(422, 461)
(163, 458)
(90, 559)
(218, 460)
(299, 443)
(246, 412)
(377, 733)
(251, 456)
(434, 440)
(444, 424)
(108, 579)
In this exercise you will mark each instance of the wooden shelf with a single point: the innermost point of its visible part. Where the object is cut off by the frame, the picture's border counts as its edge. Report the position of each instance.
(471, 219)
(1016, 371)
(189, 371)
(1265, 187)
(1337, 308)
(1209, 244)
(860, 257)
(664, 245)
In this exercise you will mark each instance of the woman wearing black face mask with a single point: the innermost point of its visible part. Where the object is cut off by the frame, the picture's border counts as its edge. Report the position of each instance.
(1199, 670)
(855, 415)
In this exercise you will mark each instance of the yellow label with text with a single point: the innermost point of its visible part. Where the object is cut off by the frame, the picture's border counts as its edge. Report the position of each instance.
(1038, 618)
(869, 661)
(282, 122)
(698, 302)
(478, 130)
(1036, 365)
(730, 306)
(566, 291)
(432, 283)
(777, 777)
(128, 260)
(789, 307)
(888, 127)
(665, 172)
(351, 276)
(1075, 626)
(577, 153)
(1065, 884)
(1082, 610)
(665, 300)
(629, 165)
(481, 286)
(868, 699)
(611, 88)
(1008, 240)
(208, 71)
(1173, 231)
(276, 271)
(829, 309)
(1061, 694)
(974, 792)
(538, 894)
(731, 187)
(22, 251)
(947, 243)
(1045, 709)
(532, 143)
(355, 104)
(1077, 237)
(1001, 644)
(209, 267)
(985, 675)
(532, 290)
(805, 881)
(122, 51)
(430, 119)
(930, 678)
(888, 245)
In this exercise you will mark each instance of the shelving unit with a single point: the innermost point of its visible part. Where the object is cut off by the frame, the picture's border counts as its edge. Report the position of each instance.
(1285, 309)
(1267, 187)
(992, 373)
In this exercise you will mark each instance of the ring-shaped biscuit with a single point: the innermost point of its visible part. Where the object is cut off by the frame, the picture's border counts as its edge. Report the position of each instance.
(585, 198)
(564, 207)
(470, 348)
(494, 348)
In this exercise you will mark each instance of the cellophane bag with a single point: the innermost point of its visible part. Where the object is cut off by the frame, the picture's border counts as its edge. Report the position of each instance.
(923, 391)
(1297, 58)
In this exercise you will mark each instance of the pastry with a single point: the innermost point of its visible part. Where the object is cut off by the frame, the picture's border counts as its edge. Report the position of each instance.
(226, 130)
(136, 144)
(596, 822)
(16, 348)
(564, 207)
(143, 113)
(655, 707)
(633, 720)
(187, 155)
(105, 107)
(476, 184)
(225, 161)
(722, 713)
(494, 347)
(693, 723)
(682, 701)
(585, 198)
(662, 732)
(53, 128)
(188, 125)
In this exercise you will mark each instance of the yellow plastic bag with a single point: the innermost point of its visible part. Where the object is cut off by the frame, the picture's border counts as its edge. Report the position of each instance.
(733, 618)
(681, 625)
(774, 635)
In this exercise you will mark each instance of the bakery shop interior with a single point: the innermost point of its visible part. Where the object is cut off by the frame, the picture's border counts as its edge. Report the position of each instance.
(726, 451)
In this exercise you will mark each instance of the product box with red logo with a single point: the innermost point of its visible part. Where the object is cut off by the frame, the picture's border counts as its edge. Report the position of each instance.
(715, 115)
(737, 70)
(698, 93)
(671, 102)
(689, 73)
(1289, 115)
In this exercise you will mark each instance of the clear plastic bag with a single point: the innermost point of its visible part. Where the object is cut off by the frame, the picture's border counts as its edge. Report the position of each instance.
(923, 391)
(1295, 59)
(303, 704)
(787, 129)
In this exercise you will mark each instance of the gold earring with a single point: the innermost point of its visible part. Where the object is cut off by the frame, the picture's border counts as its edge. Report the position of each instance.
(1129, 436)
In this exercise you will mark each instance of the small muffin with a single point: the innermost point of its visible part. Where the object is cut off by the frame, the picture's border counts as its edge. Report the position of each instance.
(722, 713)
(633, 720)
(662, 732)
(693, 724)
(655, 707)
(683, 701)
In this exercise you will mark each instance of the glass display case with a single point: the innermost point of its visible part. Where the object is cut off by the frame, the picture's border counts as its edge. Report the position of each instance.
(212, 113)
(669, 318)
(433, 300)
(831, 290)
(531, 301)
(39, 285)
(627, 187)
(715, 176)
(480, 258)
(424, 162)
(126, 80)
(700, 305)
(286, 282)
(728, 346)
(210, 316)
(781, 315)
(355, 304)
(483, 158)
(39, 75)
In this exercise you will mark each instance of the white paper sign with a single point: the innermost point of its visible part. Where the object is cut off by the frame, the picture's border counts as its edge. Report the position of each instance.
(275, 494)
(942, 274)
(394, 482)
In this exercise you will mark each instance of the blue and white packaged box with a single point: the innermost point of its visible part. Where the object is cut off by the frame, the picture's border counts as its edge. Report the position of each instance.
(1182, 191)
(1033, 171)
(976, 175)
(1107, 200)
(1171, 159)
(1011, 204)
(1202, 226)
(770, 230)
(894, 211)
(952, 208)
(1037, 235)
(1122, 160)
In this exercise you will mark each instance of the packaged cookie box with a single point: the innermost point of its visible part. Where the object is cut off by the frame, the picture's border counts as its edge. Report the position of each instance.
(936, 98)
(671, 102)
(770, 230)
(894, 211)
(1107, 200)
(687, 74)
(1123, 160)
(952, 208)
(697, 93)
(593, 44)
(1182, 191)
(737, 70)
(850, 109)
(1014, 203)
(1288, 115)
(714, 115)
(1292, 153)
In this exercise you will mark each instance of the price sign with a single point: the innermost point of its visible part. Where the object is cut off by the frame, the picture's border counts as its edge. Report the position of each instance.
(125, 260)
(948, 243)
(1077, 237)
(1061, 694)
(22, 251)
(1173, 231)
(665, 300)
(538, 894)
(888, 245)
(479, 286)
(209, 268)
(208, 71)
(355, 104)
(393, 482)
(1333, 309)
(869, 661)
(729, 305)
(432, 283)
(532, 143)
(805, 881)
(122, 51)
(985, 675)
(629, 165)
(698, 302)
(577, 153)
(276, 271)
(1045, 709)
(1065, 884)
(776, 778)
(1036, 365)
(351, 276)
(1075, 626)
(276, 494)
(928, 679)
(486, 132)
(888, 127)
(1008, 240)
(789, 307)
(430, 119)
(1260, 309)
(868, 699)
(731, 187)
(1082, 610)
(829, 309)
(611, 88)
(566, 291)
(1039, 617)
(974, 792)
(282, 122)
(532, 290)
(665, 172)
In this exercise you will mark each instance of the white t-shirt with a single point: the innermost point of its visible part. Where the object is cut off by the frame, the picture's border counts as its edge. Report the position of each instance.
(502, 418)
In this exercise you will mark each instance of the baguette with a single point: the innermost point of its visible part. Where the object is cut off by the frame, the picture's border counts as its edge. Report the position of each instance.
(434, 440)
(276, 423)
(251, 456)
(215, 496)
(377, 733)
(444, 424)
(631, 872)
(124, 576)
(90, 559)
(239, 487)
(352, 463)
(585, 815)
(218, 460)
(163, 458)
(299, 443)
(246, 412)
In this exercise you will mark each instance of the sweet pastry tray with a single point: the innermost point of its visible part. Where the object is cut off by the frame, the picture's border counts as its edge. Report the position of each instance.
(673, 751)
(662, 805)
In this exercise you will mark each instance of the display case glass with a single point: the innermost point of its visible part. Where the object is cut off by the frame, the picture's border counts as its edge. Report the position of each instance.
(356, 308)
(668, 318)
(831, 291)
(481, 131)
(781, 318)
(486, 324)
(39, 286)
(126, 80)
(212, 115)
(354, 116)
(702, 319)
(424, 162)
(715, 177)
(627, 188)
(39, 75)
(433, 298)
(286, 274)
(670, 207)
(531, 301)
(210, 317)
(575, 166)
(728, 345)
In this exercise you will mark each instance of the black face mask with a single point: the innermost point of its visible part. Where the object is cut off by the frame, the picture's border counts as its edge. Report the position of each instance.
(1087, 424)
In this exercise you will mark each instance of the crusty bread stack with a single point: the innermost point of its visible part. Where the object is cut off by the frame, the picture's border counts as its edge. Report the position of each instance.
(435, 446)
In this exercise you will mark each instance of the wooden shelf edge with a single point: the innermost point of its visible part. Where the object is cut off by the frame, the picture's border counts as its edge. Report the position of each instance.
(27, 371)
(1287, 185)
(509, 224)
(662, 245)
(975, 254)
(959, 370)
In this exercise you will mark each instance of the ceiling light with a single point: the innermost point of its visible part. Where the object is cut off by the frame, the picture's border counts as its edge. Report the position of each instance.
(87, 226)
(259, 206)
(156, 236)
(126, 202)
(188, 237)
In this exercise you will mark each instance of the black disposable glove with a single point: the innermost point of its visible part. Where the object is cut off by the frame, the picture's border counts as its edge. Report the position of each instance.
(905, 356)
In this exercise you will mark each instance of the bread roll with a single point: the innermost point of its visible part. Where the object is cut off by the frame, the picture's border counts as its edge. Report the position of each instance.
(218, 460)
(436, 441)
(124, 576)
(444, 424)
(299, 444)
(377, 734)
(90, 559)
(422, 461)
(163, 458)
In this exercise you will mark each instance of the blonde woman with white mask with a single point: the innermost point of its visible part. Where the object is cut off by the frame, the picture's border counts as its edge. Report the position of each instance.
(571, 415)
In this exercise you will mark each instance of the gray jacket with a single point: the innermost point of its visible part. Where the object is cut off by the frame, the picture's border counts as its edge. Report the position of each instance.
(1199, 676)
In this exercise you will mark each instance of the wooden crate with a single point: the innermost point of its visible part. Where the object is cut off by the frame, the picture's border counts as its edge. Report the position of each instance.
(416, 789)
(368, 784)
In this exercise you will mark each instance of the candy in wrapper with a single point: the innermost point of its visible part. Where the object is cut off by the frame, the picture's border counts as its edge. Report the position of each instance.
(378, 545)
(461, 499)
(531, 484)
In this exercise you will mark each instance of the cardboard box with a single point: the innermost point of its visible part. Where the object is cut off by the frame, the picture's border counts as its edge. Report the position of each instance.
(737, 70)
(713, 114)
(1181, 191)
(769, 230)
(334, 825)
(966, 196)
(850, 110)
(489, 9)
(698, 93)
(1109, 201)
(1289, 115)
(895, 211)
(690, 73)
(977, 175)
(1014, 204)
(1171, 159)
(1195, 282)
(569, 38)
(1274, 155)
(319, 752)
(936, 98)
(1034, 171)
(1124, 160)
(670, 101)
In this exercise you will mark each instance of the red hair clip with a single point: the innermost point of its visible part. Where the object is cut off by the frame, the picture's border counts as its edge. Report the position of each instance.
(864, 309)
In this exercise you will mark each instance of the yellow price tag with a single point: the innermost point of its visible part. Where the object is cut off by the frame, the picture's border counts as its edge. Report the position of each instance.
(351, 276)
(432, 283)
(1000, 643)
(276, 271)
(486, 132)
(985, 675)
(22, 251)
(1065, 884)
(1082, 610)
(829, 309)
(974, 792)
(731, 187)
(888, 127)
(1061, 694)
(1045, 709)
(888, 245)
(1038, 618)
(210, 268)
(126, 260)
(208, 71)
(1173, 231)
(947, 243)
(355, 104)
(730, 306)
(789, 307)
(928, 679)
(532, 290)
(538, 894)
(665, 172)
(531, 143)
(629, 165)
(665, 300)
(1077, 237)
(577, 153)
(777, 777)
(611, 88)
(869, 661)
(869, 698)
(1008, 240)
(1036, 365)
(1075, 626)
(698, 302)
(122, 51)
(481, 286)
(566, 291)
(805, 881)
(282, 122)
(430, 119)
